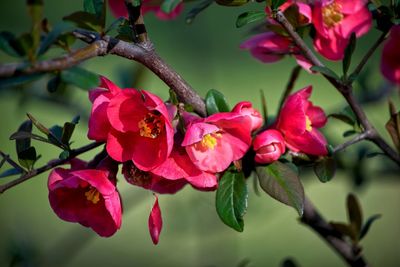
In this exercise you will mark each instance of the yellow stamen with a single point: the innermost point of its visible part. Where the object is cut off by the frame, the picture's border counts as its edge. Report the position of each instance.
(209, 141)
(150, 126)
(331, 14)
(93, 195)
(308, 124)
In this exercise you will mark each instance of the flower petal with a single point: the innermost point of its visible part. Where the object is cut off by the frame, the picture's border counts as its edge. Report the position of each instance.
(155, 222)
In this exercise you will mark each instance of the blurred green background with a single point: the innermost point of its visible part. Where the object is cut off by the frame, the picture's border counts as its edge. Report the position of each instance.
(207, 55)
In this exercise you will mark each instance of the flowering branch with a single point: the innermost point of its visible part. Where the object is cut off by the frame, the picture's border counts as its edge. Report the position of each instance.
(52, 164)
(345, 89)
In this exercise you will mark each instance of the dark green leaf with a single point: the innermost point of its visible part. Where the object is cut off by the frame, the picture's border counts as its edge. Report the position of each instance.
(76, 119)
(35, 9)
(275, 4)
(346, 115)
(264, 106)
(325, 169)
(354, 213)
(173, 98)
(368, 224)
(7, 43)
(325, 71)
(24, 143)
(54, 84)
(19, 81)
(349, 133)
(93, 6)
(216, 102)
(80, 77)
(232, 2)
(231, 199)
(85, 20)
(52, 36)
(24, 135)
(67, 132)
(64, 155)
(348, 53)
(169, 5)
(282, 183)
(289, 263)
(117, 23)
(197, 10)
(249, 17)
(27, 157)
(38, 125)
(10, 172)
(393, 126)
(55, 135)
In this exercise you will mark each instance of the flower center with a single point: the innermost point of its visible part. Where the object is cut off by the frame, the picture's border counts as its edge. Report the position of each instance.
(308, 124)
(150, 126)
(93, 195)
(209, 141)
(331, 14)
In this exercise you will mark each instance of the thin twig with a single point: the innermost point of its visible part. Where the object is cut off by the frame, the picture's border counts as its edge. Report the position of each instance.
(290, 85)
(52, 164)
(356, 139)
(11, 162)
(367, 56)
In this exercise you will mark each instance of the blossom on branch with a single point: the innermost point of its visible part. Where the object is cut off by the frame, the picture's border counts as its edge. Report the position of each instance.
(269, 146)
(86, 196)
(335, 21)
(245, 108)
(299, 120)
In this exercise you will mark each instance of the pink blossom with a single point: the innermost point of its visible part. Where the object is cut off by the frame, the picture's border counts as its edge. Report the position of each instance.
(119, 10)
(270, 47)
(155, 222)
(390, 63)
(141, 129)
(299, 120)
(269, 146)
(86, 196)
(335, 21)
(245, 108)
(214, 143)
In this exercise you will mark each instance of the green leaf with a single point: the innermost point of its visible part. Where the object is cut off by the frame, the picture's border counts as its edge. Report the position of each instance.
(216, 102)
(169, 5)
(231, 199)
(85, 20)
(6, 83)
(232, 2)
(64, 155)
(249, 17)
(192, 14)
(173, 97)
(80, 77)
(275, 4)
(24, 135)
(289, 263)
(35, 9)
(7, 44)
(54, 84)
(367, 225)
(325, 169)
(354, 213)
(325, 71)
(93, 6)
(348, 53)
(55, 135)
(52, 36)
(24, 143)
(345, 229)
(393, 126)
(27, 157)
(68, 130)
(346, 115)
(38, 125)
(10, 172)
(283, 184)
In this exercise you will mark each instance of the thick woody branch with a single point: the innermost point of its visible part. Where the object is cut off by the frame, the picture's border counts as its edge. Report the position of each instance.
(345, 89)
(52, 164)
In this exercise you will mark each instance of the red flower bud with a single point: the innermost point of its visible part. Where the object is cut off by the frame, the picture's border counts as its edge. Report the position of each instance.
(269, 146)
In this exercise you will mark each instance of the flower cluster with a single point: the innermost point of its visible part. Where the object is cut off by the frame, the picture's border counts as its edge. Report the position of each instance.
(163, 148)
(333, 20)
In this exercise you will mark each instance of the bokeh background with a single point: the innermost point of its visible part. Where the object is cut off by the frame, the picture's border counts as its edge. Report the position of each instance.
(206, 53)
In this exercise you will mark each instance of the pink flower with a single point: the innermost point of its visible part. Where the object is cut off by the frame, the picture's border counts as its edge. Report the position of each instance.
(155, 222)
(99, 125)
(119, 10)
(305, 13)
(390, 63)
(141, 129)
(213, 143)
(151, 181)
(299, 120)
(270, 47)
(335, 21)
(269, 146)
(245, 108)
(87, 197)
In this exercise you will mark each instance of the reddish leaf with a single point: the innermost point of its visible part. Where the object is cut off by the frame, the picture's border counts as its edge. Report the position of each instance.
(155, 222)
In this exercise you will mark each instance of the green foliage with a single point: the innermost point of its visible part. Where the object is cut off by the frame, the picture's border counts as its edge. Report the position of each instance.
(53, 35)
(216, 102)
(231, 199)
(231, 2)
(275, 4)
(367, 225)
(325, 71)
(169, 5)
(325, 169)
(283, 184)
(10, 172)
(249, 17)
(393, 126)
(80, 77)
(348, 53)
(200, 7)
